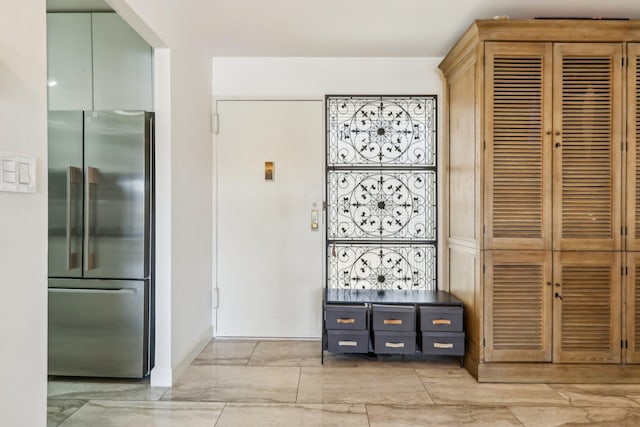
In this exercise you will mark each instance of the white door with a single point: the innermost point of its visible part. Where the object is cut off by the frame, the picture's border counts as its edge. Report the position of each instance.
(270, 261)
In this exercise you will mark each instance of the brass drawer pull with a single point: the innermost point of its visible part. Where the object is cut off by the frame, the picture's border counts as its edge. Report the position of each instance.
(442, 345)
(347, 343)
(441, 321)
(392, 321)
(394, 344)
(339, 320)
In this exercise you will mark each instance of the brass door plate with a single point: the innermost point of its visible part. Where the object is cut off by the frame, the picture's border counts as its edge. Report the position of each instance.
(268, 171)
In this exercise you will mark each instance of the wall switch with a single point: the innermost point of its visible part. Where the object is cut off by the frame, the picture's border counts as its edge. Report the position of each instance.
(17, 173)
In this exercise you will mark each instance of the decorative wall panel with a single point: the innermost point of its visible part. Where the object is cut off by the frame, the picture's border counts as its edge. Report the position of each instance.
(381, 192)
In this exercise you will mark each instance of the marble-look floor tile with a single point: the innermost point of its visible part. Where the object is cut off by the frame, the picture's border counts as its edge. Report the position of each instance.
(531, 416)
(226, 352)
(60, 410)
(604, 395)
(287, 353)
(442, 372)
(361, 385)
(277, 415)
(96, 390)
(105, 413)
(451, 390)
(417, 361)
(236, 384)
(437, 415)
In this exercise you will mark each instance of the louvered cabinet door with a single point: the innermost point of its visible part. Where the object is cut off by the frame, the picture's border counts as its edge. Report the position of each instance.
(633, 153)
(632, 315)
(587, 307)
(518, 85)
(518, 306)
(587, 107)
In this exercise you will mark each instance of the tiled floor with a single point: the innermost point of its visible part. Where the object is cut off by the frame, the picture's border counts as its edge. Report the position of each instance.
(283, 383)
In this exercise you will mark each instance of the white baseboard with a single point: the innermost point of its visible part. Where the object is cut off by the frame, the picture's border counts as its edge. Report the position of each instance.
(200, 344)
(163, 377)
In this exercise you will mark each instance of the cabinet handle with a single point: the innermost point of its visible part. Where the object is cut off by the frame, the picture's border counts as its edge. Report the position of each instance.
(442, 345)
(340, 320)
(441, 321)
(394, 344)
(557, 144)
(347, 343)
(558, 296)
(392, 322)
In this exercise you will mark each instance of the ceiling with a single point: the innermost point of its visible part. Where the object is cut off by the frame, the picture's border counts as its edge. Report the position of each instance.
(376, 28)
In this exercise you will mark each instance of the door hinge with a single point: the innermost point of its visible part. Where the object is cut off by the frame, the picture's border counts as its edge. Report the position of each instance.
(484, 229)
(484, 145)
(215, 303)
(484, 269)
(215, 123)
(626, 344)
(324, 206)
(484, 343)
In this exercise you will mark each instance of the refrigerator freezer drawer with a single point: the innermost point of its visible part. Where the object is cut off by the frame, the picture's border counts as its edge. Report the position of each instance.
(98, 328)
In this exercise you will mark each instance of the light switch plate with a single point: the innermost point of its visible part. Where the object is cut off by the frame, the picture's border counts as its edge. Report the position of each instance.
(17, 173)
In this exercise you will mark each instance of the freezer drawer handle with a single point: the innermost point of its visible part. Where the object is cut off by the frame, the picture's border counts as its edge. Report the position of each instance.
(392, 321)
(340, 320)
(348, 343)
(442, 345)
(123, 291)
(441, 321)
(73, 178)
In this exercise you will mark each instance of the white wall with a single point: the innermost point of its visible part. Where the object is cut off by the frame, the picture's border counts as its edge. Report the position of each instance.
(316, 77)
(23, 217)
(182, 101)
(313, 78)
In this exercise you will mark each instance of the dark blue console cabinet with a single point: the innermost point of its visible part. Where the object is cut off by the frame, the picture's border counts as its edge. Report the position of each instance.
(393, 322)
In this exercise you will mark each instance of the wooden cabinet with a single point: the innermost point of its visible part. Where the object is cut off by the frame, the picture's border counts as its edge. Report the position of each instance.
(587, 316)
(518, 306)
(553, 146)
(97, 62)
(632, 145)
(587, 132)
(550, 109)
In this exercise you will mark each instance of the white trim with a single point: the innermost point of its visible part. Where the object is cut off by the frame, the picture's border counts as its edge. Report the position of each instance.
(161, 377)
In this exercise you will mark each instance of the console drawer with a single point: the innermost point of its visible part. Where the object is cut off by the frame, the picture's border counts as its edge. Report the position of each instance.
(394, 342)
(396, 318)
(346, 317)
(441, 318)
(443, 343)
(348, 341)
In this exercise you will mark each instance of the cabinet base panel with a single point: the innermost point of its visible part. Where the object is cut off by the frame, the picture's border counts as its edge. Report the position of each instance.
(555, 373)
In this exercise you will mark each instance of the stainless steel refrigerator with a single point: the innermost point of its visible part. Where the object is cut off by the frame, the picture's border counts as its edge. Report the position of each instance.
(100, 243)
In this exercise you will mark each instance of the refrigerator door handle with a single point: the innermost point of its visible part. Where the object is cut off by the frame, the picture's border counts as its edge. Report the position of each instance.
(73, 178)
(93, 291)
(90, 226)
